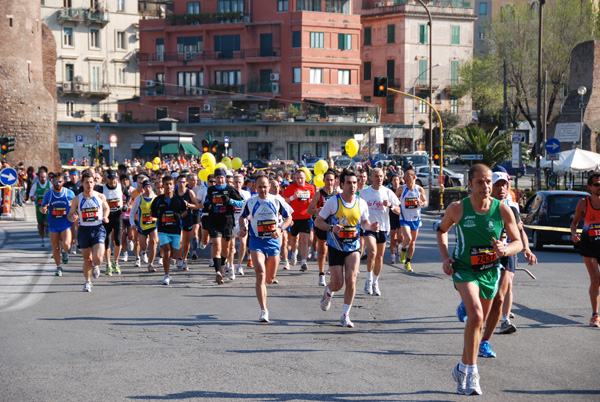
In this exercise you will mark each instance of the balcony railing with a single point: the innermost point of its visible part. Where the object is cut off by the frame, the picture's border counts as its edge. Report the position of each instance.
(84, 89)
(204, 55)
(69, 15)
(96, 16)
(207, 18)
(174, 90)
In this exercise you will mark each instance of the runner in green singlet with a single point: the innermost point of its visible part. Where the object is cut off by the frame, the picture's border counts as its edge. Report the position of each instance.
(36, 194)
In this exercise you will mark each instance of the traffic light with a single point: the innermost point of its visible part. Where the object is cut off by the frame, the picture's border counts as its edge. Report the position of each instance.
(10, 144)
(100, 150)
(4, 145)
(380, 87)
(205, 147)
(436, 155)
(214, 146)
(92, 150)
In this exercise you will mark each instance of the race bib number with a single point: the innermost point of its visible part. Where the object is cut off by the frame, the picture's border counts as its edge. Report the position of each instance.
(89, 214)
(59, 213)
(483, 257)
(114, 205)
(348, 233)
(168, 218)
(594, 232)
(266, 228)
(217, 200)
(148, 219)
(411, 203)
(303, 196)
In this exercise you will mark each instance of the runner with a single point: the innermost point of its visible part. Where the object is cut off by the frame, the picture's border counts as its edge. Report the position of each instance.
(395, 233)
(36, 194)
(298, 196)
(188, 221)
(196, 186)
(127, 236)
(474, 263)
(141, 218)
(168, 209)
(363, 178)
(56, 204)
(277, 189)
(342, 217)
(263, 211)
(380, 200)
(412, 199)
(113, 192)
(238, 183)
(91, 210)
(220, 202)
(589, 240)
(316, 204)
(204, 216)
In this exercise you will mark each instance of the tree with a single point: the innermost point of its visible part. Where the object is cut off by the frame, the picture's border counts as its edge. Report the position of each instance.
(473, 140)
(449, 119)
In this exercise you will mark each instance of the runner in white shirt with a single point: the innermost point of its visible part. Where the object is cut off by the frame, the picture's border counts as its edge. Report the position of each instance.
(238, 183)
(379, 200)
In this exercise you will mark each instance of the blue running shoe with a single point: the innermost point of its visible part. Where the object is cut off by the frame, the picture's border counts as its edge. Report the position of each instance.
(485, 350)
(461, 312)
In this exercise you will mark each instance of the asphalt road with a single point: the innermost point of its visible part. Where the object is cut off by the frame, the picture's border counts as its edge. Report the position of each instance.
(133, 339)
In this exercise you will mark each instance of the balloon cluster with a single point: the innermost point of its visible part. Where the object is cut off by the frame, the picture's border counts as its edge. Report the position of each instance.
(320, 169)
(210, 164)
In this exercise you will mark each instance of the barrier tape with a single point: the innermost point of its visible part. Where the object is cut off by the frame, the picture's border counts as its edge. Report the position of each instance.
(551, 228)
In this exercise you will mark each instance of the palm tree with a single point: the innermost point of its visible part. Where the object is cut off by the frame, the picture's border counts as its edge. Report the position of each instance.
(473, 140)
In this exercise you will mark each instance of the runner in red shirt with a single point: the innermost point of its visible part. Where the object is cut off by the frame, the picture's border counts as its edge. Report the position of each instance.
(298, 195)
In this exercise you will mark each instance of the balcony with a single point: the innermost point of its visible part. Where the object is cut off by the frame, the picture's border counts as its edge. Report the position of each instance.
(232, 17)
(423, 83)
(256, 54)
(69, 15)
(95, 17)
(84, 89)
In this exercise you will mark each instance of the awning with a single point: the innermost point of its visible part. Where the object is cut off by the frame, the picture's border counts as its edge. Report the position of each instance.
(172, 148)
(190, 149)
(342, 102)
(147, 148)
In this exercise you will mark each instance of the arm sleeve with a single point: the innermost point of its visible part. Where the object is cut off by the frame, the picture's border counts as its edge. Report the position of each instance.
(32, 191)
(236, 203)
(134, 210)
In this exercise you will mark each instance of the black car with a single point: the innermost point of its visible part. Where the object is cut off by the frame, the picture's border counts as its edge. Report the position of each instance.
(257, 163)
(550, 208)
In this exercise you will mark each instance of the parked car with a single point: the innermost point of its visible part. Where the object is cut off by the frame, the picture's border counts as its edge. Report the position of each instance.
(423, 172)
(343, 161)
(519, 172)
(416, 159)
(378, 160)
(257, 163)
(311, 160)
(550, 208)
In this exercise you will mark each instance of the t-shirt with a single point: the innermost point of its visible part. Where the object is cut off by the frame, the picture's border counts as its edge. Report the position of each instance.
(374, 199)
(168, 213)
(300, 204)
(264, 215)
(220, 213)
(58, 207)
(337, 212)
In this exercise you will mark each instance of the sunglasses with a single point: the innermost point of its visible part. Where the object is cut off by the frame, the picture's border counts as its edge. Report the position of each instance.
(212, 181)
(57, 181)
(596, 184)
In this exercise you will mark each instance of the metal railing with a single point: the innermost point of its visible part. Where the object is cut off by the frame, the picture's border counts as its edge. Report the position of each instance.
(206, 55)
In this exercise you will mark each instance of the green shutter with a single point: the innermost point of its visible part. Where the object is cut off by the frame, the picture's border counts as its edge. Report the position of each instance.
(422, 75)
(456, 35)
(423, 34)
(391, 34)
(454, 72)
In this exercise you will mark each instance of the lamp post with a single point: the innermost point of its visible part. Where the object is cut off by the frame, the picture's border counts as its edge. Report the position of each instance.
(581, 91)
(413, 105)
(540, 133)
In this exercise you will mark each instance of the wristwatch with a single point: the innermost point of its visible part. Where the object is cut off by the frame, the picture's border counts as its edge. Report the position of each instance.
(330, 228)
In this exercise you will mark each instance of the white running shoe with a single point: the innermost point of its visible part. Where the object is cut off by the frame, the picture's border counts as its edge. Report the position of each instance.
(294, 259)
(211, 263)
(96, 272)
(369, 287)
(461, 380)
(87, 286)
(286, 264)
(303, 267)
(124, 256)
(151, 268)
(376, 290)
(322, 280)
(138, 262)
(325, 301)
(160, 261)
(173, 262)
(184, 266)
(201, 246)
(43, 243)
(393, 259)
(239, 270)
(145, 258)
(473, 387)
(345, 321)
(230, 273)
(131, 245)
(179, 263)
(166, 280)
(264, 316)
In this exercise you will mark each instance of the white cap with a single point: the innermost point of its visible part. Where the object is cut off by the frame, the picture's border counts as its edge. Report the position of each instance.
(497, 176)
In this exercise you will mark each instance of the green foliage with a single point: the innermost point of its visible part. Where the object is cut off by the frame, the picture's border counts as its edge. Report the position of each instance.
(473, 140)
(293, 111)
(449, 120)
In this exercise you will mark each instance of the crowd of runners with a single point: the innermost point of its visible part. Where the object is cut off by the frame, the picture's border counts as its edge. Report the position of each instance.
(159, 219)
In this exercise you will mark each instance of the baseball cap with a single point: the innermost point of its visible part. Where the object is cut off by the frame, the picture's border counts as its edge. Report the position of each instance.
(497, 176)
(146, 183)
(499, 168)
(111, 174)
(219, 172)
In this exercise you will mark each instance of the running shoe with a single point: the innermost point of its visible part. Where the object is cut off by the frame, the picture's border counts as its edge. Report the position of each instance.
(43, 243)
(264, 316)
(275, 282)
(131, 245)
(230, 273)
(59, 271)
(485, 350)
(511, 315)
(286, 265)
(73, 250)
(166, 280)
(138, 262)
(184, 266)
(507, 327)
(124, 256)
(303, 267)
(219, 279)
(179, 263)
(160, 261)
(202, 246)
(345, 321)
(402, 256)
(473, 387)
(108, 270)
(173, 261)
(408, 267)
(65, 257)
(595, 321)
(325, 300)
(116, 268)
(322, 280)
(145, 257)
(368, 287)
(376, 290)
(315, 256)
(294, 259)
(461, 380)
(194, 256)
(211, 263)
(461, 312)
(239, 270)
(87, 286)
(96, 271)
(249, 264)
(393, 259)
(151, 268)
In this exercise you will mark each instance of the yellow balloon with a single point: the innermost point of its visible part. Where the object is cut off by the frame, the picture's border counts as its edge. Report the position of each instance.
(321, 167)
(308, 174)
(148, 165)
(220, 166)
(352, 147)
(156, 167)
(211, 170)
(157, 160)
(203, 175)
(227, 162)
(319, 181)
(208, 160)
(236, 163)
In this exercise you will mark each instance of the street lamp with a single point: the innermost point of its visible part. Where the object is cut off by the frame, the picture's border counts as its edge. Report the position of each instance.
(413, 101)
(581, 91)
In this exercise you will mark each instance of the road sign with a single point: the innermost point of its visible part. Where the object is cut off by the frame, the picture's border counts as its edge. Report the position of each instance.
(8, 176)
(97, 128)
(226, 141)
(113, 138)
(516, 155)
(517, 137)
(471, 157)
(552, 146)
(552, 157)
(79, 138)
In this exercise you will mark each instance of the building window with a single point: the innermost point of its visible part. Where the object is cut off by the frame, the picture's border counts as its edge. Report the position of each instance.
(337, 6)
(422, 105)
(282, 5)
(67, 4)
(316, 75)
(391, 69)
(259, 150)
(120, 5)
(160, 49)
(96, 81)
(344, 41)
(389, 104)
(160, 84)
(481, 33)
(95, 109)
(188, 82)
(162, 112)
(194, 114)
(193, 7)
(367, 71)
(454, 64)
(455, 37)
(367, 36)
(68, 37)
(121, 42)
(226, 6)
(296, 39)
(188, 44)
(483, 8)
(343, 77)
(121, 74)
(453, 105)
(391, 33)
(308, 5)
(297, 75)
(227, 44)
(233, 77)
(367, 99)
(70, 108)
(422, 72)
(69, 72)
(316, 40)
(95, 38)
(422, 34)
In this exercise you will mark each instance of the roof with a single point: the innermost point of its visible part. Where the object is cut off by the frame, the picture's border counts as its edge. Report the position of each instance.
(343, 102)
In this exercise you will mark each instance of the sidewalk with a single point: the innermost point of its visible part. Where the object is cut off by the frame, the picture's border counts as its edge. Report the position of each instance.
(21, 213)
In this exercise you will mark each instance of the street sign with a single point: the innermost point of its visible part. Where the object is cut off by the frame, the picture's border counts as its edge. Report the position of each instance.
(552, 146)
(79, 138)
(8, 176)
(517, 137)
(113, 144)
(379, 138)
(97, 127)
(552, 157)
(471, 157)
(516, 155)
(226, 141)
(113, 138)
